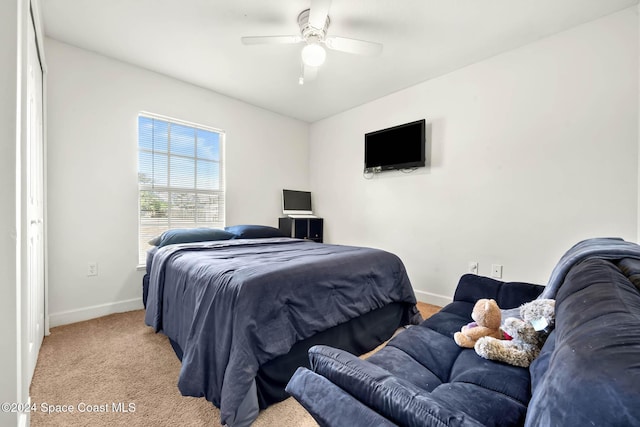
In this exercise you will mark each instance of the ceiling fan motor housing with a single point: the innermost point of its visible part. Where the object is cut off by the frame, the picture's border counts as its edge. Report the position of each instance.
(308, 32)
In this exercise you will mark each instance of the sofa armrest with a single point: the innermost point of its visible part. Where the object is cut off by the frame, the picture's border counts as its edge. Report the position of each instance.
(392, 397)
(508, 295)
(329, 405)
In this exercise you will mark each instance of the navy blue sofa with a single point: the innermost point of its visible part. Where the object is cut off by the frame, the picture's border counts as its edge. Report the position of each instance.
(588, 372)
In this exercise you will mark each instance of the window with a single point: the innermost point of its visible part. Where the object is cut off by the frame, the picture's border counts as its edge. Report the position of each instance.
(180, 177)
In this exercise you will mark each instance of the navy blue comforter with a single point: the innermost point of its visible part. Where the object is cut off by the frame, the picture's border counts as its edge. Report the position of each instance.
(234, 305)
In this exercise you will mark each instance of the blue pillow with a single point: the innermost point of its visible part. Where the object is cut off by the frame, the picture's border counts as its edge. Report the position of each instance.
(254, 231)
(190, 235)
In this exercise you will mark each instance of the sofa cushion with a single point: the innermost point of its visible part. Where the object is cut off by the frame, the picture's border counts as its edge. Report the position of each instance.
(471, 288)
(449, 320)
(507, 380)
(419, 355)
(428, 358)
(593, 375)
(391, 396)
(329, 404)
(405, 367)
(489, 408)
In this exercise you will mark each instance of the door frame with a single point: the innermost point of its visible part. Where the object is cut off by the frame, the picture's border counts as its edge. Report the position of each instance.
(39, 30)
(29, 14)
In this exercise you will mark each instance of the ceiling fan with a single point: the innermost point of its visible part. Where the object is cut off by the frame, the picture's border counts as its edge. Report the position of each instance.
(314, 23)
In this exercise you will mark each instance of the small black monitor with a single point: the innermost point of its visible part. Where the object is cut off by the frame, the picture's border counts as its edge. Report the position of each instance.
(296, 202)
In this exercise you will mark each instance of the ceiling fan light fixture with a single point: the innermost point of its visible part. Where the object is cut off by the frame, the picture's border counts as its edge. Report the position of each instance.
(313, 55)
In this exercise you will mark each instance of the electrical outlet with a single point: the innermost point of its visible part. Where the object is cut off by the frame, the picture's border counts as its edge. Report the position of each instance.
(92, 269)
(496, 271)
(473, 267)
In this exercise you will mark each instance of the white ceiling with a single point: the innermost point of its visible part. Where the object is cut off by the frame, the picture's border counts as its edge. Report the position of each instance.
(198, 41)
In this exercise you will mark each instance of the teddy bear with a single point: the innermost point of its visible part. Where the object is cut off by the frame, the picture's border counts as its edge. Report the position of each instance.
(487, 316)
(525, 337)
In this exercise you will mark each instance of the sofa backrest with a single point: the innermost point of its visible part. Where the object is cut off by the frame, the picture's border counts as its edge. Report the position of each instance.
(508, 295)
(588, 372)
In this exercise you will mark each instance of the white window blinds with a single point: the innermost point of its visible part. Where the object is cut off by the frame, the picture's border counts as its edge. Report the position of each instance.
(180, 177)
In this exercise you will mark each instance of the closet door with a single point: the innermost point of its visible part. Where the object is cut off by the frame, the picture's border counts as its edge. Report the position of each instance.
(34, 188)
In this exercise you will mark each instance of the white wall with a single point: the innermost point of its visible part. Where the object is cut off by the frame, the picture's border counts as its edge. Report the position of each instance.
(9, 361)
(93, 103)
(531, 151)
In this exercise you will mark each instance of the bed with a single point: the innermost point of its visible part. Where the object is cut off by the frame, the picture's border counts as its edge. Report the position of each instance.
(242, 313)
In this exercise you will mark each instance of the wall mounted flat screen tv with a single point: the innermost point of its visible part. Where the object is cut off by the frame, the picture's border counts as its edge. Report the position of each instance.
(398, 147)
(296, 202)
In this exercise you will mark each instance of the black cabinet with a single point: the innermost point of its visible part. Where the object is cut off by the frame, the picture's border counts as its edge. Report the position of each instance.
(302, 228)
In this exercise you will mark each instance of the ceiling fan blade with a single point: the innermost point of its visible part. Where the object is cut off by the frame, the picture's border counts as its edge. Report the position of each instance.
(309, 73)
(271, 40)
(359, 47)
(318, 13)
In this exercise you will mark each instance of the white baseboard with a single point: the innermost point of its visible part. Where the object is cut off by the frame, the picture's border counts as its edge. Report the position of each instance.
(78, 315)
(431, 298)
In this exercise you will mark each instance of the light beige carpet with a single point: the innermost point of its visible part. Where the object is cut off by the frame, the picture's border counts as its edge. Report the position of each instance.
(115, 362)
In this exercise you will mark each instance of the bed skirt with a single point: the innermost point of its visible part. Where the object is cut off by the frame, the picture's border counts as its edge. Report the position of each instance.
(357, 336)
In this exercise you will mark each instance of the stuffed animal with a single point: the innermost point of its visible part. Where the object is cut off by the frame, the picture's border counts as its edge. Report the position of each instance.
(527, 335)
(541, 314)
(486, 315)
